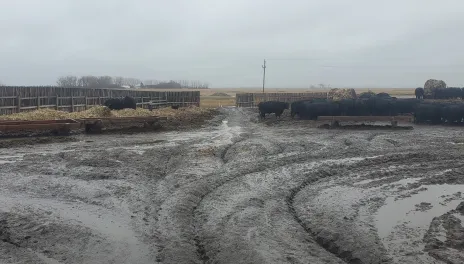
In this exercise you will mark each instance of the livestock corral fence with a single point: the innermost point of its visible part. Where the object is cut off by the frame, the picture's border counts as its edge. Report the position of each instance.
(15, 99)
(253, 99)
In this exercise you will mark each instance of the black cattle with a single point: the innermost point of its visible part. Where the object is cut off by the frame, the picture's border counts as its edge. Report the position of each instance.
(120, 103)
(353, 107)
(297, 107)
(455, 92)
(447, 93)
(430, 112)
(114, 104)
(419, 92)
(366, 95)
(405, 106)
(311, 110)
(453, 113)
(381, 106)
(272, 107)
(383, 95)
(129, 102)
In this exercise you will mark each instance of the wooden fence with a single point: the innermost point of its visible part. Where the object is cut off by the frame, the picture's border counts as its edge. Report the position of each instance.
(253, 99)
(18, 99)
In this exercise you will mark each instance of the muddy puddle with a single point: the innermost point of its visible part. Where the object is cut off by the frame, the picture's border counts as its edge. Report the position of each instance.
(409, 212)
(402, 222)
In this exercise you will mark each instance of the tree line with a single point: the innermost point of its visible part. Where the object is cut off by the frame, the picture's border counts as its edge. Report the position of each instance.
(90, 81)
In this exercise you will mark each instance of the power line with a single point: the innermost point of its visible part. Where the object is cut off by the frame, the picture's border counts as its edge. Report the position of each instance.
(264, 73)
(395, 65)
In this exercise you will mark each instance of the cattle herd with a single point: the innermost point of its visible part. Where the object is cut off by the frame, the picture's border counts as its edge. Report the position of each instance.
(440, 93)
(424, 111)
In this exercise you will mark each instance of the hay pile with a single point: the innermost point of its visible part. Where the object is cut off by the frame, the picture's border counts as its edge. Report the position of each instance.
(339, 94)
(182, 114)
(96, 111)
(42, 114)
(432, 85)
(192, 113)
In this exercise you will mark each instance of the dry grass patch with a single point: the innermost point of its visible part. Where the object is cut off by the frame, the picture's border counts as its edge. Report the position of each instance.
(216, 101)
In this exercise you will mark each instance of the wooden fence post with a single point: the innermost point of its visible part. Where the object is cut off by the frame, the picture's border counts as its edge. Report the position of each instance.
(38, 102)
(72, 103)
(85, 102)
(18, 103)
(57, 102)
(99, 100)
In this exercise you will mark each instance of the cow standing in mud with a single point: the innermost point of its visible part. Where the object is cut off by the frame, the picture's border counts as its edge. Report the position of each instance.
(272, 107)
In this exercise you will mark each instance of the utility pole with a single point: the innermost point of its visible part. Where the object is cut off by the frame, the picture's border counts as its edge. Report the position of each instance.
(264, 73)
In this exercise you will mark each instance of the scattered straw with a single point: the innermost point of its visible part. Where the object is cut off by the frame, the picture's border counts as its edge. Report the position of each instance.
(42, 114)
(181, 114)
(96, 111)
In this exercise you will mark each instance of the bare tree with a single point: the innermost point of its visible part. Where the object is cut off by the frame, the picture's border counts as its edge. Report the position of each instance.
(97, 82)
(119, 81)
(88, 81)
(105, 82)
(67, 81)
(132, 82)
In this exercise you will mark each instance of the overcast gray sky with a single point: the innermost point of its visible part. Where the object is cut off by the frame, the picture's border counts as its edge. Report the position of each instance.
(357, 43)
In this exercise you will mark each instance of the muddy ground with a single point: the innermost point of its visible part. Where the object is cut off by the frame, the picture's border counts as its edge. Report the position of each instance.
(236, 191)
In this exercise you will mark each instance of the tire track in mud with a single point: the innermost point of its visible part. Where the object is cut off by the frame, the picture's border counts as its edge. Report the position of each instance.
(198, 241)
(186, 244)
(299, 158)
(269, 165)
(184, 201)
(193, 194)
(330, 245)
(201, 251)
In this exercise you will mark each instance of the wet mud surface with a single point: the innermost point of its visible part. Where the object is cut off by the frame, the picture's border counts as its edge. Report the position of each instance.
(237, 190)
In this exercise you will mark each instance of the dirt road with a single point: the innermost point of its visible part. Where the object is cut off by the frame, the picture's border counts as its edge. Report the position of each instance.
(237, 191)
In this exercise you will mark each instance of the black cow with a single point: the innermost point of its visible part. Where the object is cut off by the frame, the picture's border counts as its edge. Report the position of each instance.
(453, 113)
(120, 103)
(129, 102)
(429, 112)
(366, 95)
(383, 95)
(272, 107)
(381, 106)
(419, 92)
(405, 106)
(353, 107)
(312, 110)
(297, 107)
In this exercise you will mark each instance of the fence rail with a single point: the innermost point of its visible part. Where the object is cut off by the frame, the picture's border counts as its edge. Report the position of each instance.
(253, 99)
(17, 99)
